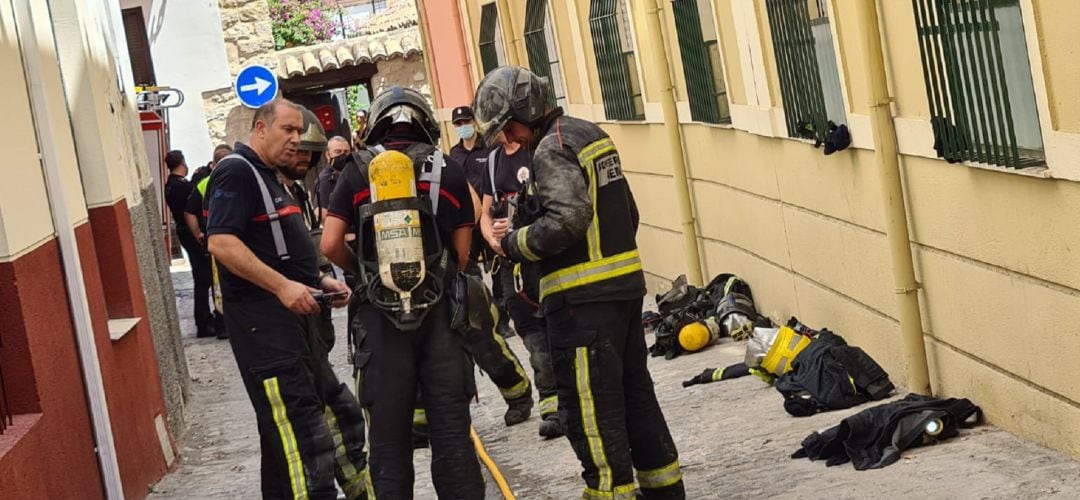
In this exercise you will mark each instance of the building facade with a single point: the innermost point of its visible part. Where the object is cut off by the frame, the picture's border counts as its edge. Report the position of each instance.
(93, 373)
(988, 137)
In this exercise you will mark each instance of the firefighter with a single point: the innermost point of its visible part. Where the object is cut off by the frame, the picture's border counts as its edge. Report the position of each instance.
(404, 339)
(591, 287)
(269, 282)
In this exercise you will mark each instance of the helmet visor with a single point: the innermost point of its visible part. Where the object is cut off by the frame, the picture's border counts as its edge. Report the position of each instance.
(492, 108)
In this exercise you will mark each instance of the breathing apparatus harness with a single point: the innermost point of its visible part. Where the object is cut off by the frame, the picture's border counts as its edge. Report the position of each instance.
(369, 283)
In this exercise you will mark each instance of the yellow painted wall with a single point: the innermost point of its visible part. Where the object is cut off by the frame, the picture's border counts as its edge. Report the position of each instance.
(1057, 27)
(998, 254)
(95, 136)
(25, 218)
(110, 149)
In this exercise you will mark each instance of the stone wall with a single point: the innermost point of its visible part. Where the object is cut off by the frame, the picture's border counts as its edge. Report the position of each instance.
(161, 309)
(248, 39)
(407, 72)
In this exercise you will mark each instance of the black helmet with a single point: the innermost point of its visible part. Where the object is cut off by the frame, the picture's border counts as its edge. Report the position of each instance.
(400, 105)
(313, 138)
(509, 93)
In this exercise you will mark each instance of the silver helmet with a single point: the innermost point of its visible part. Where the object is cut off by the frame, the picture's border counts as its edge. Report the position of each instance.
(400, 105)
(509, 93)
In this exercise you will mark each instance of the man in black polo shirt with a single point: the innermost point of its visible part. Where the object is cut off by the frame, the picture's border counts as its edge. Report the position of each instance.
(177, 190)
(195, 217)
(268, 276)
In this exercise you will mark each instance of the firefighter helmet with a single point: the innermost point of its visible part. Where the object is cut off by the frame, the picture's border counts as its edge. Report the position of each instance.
(509, 93)
(313, 137)
(400, 105)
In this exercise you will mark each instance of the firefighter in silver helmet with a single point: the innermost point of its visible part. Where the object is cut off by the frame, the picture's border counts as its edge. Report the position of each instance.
(581, 231)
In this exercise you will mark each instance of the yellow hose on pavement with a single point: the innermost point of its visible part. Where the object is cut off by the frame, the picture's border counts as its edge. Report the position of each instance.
(490, 464)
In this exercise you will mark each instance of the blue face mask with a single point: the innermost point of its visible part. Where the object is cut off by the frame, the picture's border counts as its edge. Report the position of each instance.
(466, 131)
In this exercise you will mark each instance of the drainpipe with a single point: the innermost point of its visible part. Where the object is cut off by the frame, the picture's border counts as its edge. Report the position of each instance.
(429, 67)
(513, 55)
(896, 224)
(56, 186)
(654, 39)
(466, 56)
(465, 21)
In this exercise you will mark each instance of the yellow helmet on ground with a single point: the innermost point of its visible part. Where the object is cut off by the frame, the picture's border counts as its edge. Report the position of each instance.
(698, 335)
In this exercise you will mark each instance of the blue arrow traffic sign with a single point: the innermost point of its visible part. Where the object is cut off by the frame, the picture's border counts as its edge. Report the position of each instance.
(256, 85)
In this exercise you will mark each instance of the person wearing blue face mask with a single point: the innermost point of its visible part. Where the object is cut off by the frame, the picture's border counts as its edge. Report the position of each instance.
(470, 152)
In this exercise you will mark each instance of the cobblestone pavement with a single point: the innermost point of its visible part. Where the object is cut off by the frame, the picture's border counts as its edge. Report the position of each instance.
(734, 439)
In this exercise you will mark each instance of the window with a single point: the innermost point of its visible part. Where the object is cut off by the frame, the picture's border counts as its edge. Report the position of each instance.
(609, 22)
(806, 63)
(700, 51)
(492, 52)
(978, 81)
(540, 44)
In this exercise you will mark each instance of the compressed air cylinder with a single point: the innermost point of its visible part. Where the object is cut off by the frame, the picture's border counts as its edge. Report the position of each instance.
(699, 335)
(398, 238)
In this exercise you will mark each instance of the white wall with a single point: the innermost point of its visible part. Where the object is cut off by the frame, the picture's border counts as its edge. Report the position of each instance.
(189, 54)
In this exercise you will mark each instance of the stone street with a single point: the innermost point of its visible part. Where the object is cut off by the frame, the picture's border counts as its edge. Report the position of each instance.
(734, 439)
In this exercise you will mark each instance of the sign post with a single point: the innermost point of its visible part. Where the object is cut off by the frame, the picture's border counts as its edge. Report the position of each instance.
(256, 85)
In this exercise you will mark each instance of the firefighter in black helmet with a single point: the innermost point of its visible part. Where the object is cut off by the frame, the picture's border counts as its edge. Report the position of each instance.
(591, 287)
(402, 344)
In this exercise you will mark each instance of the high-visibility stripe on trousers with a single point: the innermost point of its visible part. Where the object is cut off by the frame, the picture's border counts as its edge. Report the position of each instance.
(288, 438)
(606, 396)
(296, 442)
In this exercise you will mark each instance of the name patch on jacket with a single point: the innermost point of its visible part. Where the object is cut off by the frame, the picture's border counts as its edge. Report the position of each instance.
(608, 169)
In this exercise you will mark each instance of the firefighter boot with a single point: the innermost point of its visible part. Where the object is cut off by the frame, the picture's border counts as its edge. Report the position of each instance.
(550, 427)
(518, 410)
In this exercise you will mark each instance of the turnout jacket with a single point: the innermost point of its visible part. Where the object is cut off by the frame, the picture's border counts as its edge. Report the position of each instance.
(584, 233)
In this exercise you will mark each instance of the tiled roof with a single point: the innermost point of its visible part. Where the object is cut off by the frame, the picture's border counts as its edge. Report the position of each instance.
(301, 61)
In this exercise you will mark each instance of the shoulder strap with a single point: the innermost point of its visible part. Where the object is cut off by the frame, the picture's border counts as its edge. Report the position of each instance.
(271, 213)
(491, 169)
(434, 178)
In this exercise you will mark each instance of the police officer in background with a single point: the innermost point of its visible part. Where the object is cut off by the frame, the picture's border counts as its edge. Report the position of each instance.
(195, 217)
(177, 191)
(591, 287)
(269, 280)
(398, 351)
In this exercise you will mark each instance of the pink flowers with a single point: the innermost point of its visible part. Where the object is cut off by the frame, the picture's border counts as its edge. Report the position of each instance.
(302, 22)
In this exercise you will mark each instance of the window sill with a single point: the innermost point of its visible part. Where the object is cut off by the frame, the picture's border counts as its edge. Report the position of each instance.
(120, 327)
(22, 424)
(721, 126)
(1040, 172)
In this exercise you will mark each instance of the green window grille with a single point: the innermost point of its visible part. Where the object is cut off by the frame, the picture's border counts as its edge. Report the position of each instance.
(701, 63)
(536, 43)
(799, 41)
(615, 60)
(978, 82)
(489, 27)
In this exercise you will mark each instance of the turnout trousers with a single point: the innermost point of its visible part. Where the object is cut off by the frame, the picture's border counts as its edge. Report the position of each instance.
(607, 402)
(391, 365)
(310, 427)
(530, 326)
